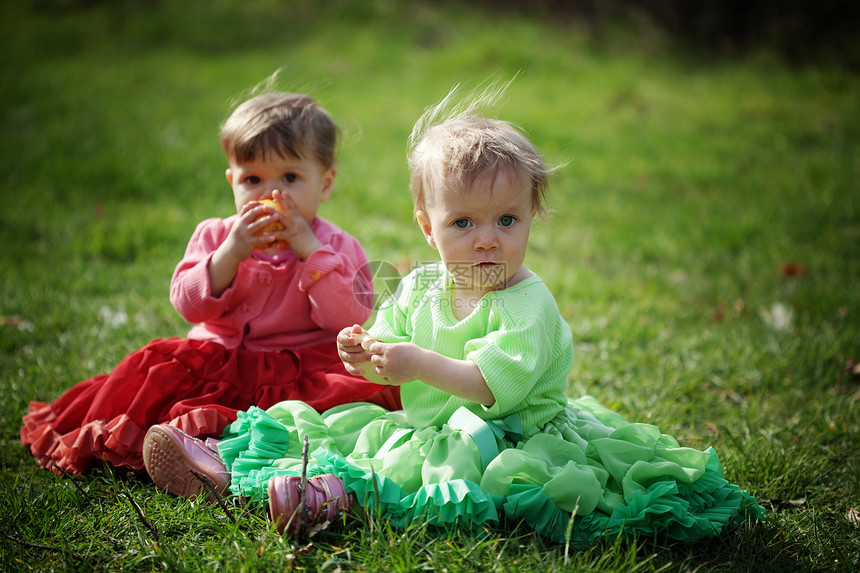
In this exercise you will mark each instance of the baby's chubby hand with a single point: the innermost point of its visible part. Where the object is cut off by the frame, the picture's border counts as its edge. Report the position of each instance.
(397, 363)
(247, 233)
(392, 363)
(352, 344)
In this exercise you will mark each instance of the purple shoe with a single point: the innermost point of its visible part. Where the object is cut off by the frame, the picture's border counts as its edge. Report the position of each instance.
(182, 464)
(325, 501)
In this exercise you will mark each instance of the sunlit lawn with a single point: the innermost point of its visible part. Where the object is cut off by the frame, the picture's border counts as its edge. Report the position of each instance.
(704, 246)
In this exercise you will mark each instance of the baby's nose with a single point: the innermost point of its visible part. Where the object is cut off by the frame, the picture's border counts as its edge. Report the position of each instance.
(486, 239)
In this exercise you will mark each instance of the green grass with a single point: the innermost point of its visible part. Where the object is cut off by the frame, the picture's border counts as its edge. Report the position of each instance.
(686, 185)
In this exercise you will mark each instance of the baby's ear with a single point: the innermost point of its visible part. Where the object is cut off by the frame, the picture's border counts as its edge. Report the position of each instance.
(229, 175)
(426, 228)
(328, 183)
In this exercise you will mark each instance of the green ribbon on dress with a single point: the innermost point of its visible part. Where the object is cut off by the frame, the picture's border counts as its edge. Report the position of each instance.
(486, 433)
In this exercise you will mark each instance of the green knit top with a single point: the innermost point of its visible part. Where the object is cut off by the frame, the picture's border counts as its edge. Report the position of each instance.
(516, 337)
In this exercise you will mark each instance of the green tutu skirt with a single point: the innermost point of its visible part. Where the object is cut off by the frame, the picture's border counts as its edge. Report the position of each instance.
(588, 474)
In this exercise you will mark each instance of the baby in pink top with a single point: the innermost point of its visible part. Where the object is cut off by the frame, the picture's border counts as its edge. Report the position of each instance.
(249, 287)
(267, 290)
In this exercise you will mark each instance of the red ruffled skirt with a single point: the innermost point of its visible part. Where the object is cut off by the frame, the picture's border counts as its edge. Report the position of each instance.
(195, 385)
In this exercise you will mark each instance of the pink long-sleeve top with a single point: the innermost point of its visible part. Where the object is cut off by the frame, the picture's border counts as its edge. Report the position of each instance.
(274, 303)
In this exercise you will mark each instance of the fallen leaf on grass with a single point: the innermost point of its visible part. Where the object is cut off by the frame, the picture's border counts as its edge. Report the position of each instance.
(851, 383)
(786, 503)
(112, 318)
(792, 269)
(304, 550)
(17, 322)
(853, 516)
(779, 317)
(734, 396)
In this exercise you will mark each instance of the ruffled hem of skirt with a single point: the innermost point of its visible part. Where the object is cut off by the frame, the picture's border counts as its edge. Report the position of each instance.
(248, 449)
(682, 512)
(679, 511)
(118, 441)
(456, 502)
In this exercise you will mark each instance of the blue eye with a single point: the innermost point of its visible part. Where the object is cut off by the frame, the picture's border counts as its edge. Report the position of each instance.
(507, 220)
(462, 223)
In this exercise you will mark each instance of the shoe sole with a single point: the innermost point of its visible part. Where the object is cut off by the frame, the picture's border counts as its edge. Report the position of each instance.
(170, 467)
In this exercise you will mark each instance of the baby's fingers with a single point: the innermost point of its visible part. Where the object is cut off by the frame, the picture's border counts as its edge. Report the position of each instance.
(352, 368)
(348, 336)
(285, 200)
(365, 340)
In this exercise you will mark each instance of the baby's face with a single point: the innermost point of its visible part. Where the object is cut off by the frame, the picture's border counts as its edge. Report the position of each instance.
(482, 234)
(306, 181)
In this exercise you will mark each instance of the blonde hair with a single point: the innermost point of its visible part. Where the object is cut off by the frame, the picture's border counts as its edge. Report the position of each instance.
(281, 123)
(453, 144)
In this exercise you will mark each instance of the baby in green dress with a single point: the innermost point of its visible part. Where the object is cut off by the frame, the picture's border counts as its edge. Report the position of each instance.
(478, 330)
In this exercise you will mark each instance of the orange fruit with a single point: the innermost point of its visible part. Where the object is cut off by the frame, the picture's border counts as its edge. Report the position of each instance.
(272, 227)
